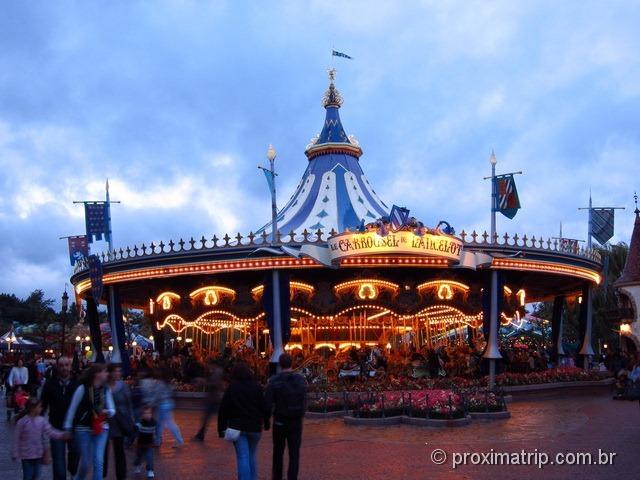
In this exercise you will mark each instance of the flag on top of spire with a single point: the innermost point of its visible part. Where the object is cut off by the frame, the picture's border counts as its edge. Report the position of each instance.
(335, 53)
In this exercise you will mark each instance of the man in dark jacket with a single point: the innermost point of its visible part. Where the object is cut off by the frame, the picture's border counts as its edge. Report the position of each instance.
(56, 397)
(286, 397)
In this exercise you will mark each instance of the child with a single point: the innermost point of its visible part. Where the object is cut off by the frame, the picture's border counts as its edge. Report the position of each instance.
(31, 438)
(146, 431)
(20, 398)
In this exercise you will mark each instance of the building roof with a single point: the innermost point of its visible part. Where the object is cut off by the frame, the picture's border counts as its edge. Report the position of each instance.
(334, 193)
(631, 273)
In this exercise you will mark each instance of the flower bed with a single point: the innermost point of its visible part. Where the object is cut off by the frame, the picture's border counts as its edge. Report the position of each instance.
(554, 375)
(423, 403)
(326, 404)
(484, 402)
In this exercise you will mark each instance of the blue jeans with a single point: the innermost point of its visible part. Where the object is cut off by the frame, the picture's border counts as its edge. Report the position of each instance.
(147, 454)
(246, 447)
(59, 463)
(165, 420)
(31, 469)
(91, 449)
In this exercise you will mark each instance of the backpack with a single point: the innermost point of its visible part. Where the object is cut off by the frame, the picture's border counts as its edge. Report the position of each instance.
(291, 397)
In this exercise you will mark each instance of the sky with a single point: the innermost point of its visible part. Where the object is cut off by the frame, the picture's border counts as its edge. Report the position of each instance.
(175, 102)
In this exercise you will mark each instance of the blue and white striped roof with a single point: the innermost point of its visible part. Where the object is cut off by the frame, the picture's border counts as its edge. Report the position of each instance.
(334, 193)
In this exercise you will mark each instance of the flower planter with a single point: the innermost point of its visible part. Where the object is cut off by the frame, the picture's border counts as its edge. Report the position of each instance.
(490, 415)
(550, 386)
(438, 423)
(334, 414)
(351, 420)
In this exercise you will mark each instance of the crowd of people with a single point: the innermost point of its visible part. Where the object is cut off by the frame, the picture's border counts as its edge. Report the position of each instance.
(89, 413)
(77, 418)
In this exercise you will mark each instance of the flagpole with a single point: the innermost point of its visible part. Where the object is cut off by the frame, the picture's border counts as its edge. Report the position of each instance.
(590, 227)
(494, 194)
(116, 354)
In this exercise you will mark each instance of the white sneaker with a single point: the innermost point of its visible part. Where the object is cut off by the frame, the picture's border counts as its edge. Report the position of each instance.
(150, 474)
(137, 469)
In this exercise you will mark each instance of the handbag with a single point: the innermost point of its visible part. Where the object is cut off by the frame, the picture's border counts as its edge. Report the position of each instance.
(231, 434)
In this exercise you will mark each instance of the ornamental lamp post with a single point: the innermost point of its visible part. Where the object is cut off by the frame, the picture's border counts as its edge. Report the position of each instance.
(65, 307)
(494, 194)
(492, 352)
(276, 335)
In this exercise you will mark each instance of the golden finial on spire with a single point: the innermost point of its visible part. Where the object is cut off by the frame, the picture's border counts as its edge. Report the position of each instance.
(332, 96)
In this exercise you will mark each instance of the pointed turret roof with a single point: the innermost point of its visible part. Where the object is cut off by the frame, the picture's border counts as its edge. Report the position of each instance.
(334, 193)
(631, 273)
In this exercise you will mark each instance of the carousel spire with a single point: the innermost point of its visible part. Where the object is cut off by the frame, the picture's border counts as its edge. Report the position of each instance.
(332, 131)
(334, 193)
(332, 97)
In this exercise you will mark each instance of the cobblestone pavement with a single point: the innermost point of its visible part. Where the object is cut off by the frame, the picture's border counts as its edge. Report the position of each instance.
(550, 424)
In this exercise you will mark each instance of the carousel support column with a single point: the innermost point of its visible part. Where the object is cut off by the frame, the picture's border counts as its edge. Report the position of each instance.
(556, 329)
(492, 353)
(119, 354)
(276, 335)
(94, 330)
(586, 320)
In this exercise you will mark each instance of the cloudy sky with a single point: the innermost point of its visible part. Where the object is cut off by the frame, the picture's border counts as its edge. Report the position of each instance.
(176, 101)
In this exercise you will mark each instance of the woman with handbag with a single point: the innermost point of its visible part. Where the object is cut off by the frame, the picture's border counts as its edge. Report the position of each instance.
(121, 425)
(241, 417)
(91, 406)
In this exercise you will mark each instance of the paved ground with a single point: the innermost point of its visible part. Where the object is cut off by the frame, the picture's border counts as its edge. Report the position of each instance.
(550, 424)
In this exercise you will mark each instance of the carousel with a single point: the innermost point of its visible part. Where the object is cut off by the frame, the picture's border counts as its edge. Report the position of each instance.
(338, 268)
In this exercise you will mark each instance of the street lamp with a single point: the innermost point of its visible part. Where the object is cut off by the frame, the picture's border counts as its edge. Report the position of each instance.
(11, 339)
(65, 306)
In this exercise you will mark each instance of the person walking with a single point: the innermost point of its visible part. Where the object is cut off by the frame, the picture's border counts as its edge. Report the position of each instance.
(56, 397)
(30, 440)
(286, 397)
(91, 406)
(18, 377)
(214, 387)
(241, 418)
(163, 396)
(144, 448)
(121, 425)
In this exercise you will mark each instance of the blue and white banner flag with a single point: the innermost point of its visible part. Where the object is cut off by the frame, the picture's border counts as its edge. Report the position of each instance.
(398, 217)
(270, 180)
(78, 248)
(96, 216)
(340, 54)
(602, 224)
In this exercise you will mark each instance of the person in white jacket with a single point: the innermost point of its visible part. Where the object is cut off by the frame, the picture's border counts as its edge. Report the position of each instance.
(19, 374)
(91, 406)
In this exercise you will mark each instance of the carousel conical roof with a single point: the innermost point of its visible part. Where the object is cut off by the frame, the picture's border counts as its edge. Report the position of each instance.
(631, 273)
(334, 193)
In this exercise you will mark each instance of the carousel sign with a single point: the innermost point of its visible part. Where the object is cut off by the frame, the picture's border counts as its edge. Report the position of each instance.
(403, 242)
